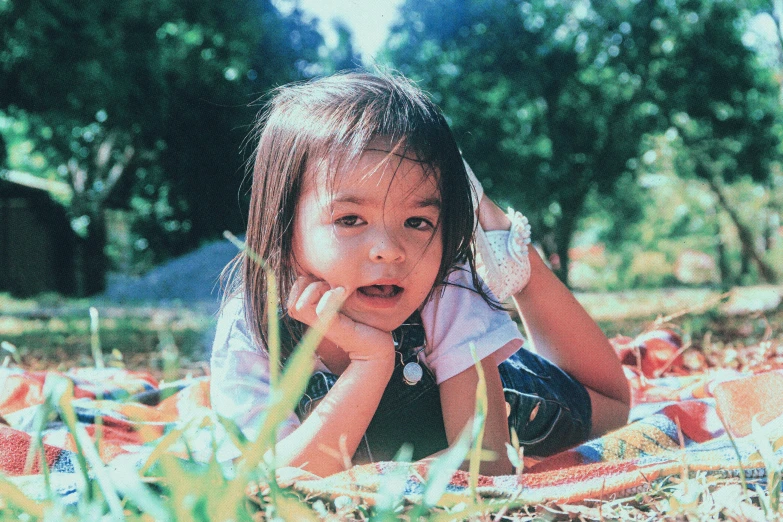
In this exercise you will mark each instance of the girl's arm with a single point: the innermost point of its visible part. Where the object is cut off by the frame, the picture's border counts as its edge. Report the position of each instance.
(326, 440)
(458, 399)
(329, 436)
(562, 331)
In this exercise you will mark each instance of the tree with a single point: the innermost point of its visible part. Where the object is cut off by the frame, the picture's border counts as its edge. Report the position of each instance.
(167, 88)
(343, 56)
(711, 90)
(552, 99)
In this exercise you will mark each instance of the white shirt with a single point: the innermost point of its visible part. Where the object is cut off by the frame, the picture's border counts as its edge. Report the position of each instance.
(452, 320)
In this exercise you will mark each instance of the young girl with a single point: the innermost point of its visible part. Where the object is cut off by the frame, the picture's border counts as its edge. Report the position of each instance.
(360, 195)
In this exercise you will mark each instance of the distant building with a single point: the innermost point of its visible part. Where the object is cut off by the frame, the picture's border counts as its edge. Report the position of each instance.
(37, 244)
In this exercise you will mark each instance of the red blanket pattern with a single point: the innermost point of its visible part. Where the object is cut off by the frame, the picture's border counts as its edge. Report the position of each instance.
(677, 421)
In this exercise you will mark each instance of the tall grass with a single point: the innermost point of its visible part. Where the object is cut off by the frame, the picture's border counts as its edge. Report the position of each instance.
(169, 488)
(166, 487)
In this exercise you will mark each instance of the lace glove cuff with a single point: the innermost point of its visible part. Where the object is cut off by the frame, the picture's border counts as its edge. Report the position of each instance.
(502, 259)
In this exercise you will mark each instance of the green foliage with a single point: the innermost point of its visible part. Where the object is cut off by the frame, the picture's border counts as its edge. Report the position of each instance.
(173, 82)
(551, 100)
(25, 140)
(673, 231)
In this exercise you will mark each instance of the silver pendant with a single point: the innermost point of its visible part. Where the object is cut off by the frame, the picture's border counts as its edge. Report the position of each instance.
(412, 373)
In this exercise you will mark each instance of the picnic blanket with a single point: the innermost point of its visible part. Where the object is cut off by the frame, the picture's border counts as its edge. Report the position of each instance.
(682, 418)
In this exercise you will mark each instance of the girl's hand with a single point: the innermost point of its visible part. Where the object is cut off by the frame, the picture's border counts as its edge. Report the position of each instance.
(308, 299)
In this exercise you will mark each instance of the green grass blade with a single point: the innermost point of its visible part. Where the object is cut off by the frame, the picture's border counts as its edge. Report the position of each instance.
(10, 348)
(293, 381)
(287, 508)
(95, 338)
(469, 442)
(281, 403)
(58, 391)
(763, 445)
(285, 390)
(392, 486)
(273, 339)
(37, 446)
(181, 484)
(743, 479)
(272, 306)
(160, 448)
(87, 452)
(10, 493)
(479, 422)
(442, 468)
(771, 463)
(233, 431)
(133, 489)
(170, 355)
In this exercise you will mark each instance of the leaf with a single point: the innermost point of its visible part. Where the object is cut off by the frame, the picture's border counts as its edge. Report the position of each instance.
(89, 453)
(513, 456)
(392, 487)
(12, 494)
(442, 468)
(128, 482)
(161, 447)
(771, 462)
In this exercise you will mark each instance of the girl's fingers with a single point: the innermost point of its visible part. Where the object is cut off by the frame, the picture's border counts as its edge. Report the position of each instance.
(296, 290)
(333, 299)
(311, 297)
(305, 296)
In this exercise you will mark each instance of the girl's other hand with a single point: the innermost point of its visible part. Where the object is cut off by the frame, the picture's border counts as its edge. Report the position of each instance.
(307, 301)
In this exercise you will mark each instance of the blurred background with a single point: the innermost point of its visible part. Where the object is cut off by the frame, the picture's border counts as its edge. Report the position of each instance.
(642, 138)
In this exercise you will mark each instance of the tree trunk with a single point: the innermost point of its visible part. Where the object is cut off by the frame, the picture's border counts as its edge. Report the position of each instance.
(564, 231)
(766, 272)
(90, 263)
(726, 278)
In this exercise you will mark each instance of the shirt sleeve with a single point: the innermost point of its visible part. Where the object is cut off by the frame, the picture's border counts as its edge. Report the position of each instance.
(458, 316)
(239, 383)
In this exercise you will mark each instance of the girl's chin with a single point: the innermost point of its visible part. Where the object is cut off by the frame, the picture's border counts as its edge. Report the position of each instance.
(378, 320)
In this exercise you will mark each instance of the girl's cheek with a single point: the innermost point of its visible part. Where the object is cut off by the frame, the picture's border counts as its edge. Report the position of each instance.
(322, 264)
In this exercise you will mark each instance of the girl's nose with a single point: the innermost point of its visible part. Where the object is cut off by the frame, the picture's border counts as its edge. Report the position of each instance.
(386, 249)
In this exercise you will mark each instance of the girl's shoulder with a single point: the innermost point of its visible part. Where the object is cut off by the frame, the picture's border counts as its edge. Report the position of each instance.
(457, 291)
(457, 317)
(232, 332)
(232, 306)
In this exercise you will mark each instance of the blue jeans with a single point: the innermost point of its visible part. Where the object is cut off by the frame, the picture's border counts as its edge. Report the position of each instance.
(549, 410)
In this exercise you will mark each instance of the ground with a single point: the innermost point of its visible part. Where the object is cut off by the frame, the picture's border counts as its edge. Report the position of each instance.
(54, 333)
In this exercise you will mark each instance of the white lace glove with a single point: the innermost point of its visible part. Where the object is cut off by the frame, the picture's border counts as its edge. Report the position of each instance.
(501, 255)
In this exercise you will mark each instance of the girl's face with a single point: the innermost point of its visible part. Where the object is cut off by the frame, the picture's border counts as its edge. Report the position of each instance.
(374, 233)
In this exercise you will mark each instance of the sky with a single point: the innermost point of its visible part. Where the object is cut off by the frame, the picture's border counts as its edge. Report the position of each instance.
(369, 20)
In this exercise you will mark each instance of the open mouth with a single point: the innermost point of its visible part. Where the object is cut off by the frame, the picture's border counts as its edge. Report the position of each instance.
(382, 291)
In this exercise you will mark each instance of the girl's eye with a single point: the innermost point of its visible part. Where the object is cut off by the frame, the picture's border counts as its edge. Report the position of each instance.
(419, 223)
(348, 221)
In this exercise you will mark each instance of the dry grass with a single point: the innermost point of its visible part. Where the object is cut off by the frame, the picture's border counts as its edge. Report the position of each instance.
(55, 333)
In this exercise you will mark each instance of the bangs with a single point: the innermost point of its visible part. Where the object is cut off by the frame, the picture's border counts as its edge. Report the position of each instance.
(337, 118)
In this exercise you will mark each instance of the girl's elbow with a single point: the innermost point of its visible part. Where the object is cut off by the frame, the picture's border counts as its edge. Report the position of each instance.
(618, 416)
(322, 466)
(497, 468)
(625, 393)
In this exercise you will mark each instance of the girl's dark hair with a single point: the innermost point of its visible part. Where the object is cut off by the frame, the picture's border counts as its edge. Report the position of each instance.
(326, 123)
